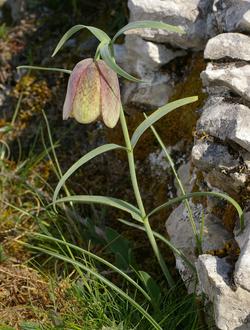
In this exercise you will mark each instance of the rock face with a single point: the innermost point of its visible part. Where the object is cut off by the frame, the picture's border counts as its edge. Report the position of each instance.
(232, 15)
(220, 159)
(144, 59)
(208, 156)
(180, 230)
(242, 267)
(186, 14)
(227, 122)
(236, 78)
(228, 45)
(231, 305)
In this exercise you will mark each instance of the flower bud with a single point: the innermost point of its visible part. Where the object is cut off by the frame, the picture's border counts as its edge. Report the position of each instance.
(93, 92)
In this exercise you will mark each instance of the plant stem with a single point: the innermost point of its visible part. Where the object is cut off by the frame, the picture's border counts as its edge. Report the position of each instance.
(198, 238)
(139, 201)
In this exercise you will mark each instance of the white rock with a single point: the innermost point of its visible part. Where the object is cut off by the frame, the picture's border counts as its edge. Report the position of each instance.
(153, 94)
(143, 59)
(231, 308)
(152, 55)
(228, 45)
(187, 176)
(227, 121)
(181, 236)
(207, 155)
(242, 267)
(235, 78)
(176, 12)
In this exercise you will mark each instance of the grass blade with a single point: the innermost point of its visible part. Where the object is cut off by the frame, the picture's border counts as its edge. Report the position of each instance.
(103, 279)
(183, 192)
(110, 61)
(83, 160)
(31, 67)
(99, 34)
(200, 194)
(97, 258)
(104, 200)
(148, 25)
(158, 114)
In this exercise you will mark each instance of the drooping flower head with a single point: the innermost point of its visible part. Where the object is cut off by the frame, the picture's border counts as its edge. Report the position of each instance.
(93, 92)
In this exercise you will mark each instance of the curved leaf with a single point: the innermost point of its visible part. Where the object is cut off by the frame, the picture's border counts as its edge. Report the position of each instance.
(103, 279)
(104, 200)
(96, 257)
(199, 194)
(158, 114)
(90, 155)
(110, 61)
(148, 25)
(31, 67)
(99, 34)
(166, 241)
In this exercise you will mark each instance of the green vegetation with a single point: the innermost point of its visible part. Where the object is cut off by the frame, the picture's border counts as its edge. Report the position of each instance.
(85, 273)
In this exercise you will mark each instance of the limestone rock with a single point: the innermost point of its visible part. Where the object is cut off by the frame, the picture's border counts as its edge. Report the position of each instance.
(144, 60)
(232, 15)
(207, 155)
(228, 45)
(227, 122)
(236, 78)
(242, 267)
(187, 176)
(152, 55)
(231, 183)
(186, 14)
(152, 94)
(181, 235)
(230, 307)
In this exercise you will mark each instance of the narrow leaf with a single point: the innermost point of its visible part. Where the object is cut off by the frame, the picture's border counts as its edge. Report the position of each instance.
(95, 257)
(83, 160)
(148, 25)
(199, 194)
(31, 67)
(158, 114)
(104, 280)
(165, 240)
(99, 34)
(110, 61)
(152, 288)
(104, 200)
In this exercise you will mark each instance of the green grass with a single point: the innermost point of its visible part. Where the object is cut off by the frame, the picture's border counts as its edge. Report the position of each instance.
(98, 296)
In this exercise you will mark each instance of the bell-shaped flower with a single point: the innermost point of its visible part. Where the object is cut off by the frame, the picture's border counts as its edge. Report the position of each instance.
(93, 92)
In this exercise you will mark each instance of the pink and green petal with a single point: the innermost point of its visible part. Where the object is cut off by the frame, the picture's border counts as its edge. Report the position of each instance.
(110, 94)
(73, 83)
(86, 103)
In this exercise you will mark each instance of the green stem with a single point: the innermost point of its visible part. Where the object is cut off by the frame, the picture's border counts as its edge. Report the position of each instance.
(198, 238)
(139, 201)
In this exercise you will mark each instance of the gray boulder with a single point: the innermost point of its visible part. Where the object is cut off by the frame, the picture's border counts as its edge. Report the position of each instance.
(231, 306)
(207, 156)
(186, 14)
(232, 15)
(236, 78)
(181, 235)
(242, 267)
(228, 45)
(227, 122)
